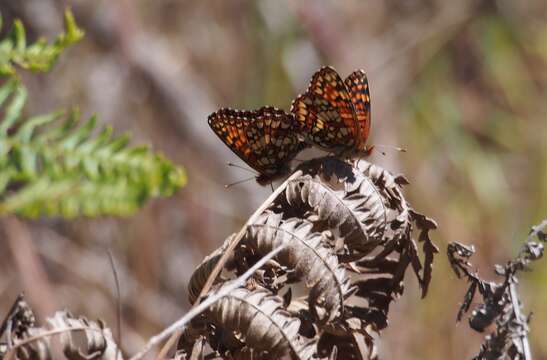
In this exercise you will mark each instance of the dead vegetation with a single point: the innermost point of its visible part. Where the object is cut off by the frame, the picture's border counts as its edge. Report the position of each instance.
(500, 303)
(331, 247)
(347, 237)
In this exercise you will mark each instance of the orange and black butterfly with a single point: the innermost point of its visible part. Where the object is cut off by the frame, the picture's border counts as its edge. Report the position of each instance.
(334, 114)
(266, 139)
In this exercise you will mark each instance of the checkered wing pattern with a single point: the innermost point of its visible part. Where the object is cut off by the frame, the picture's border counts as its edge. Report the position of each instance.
(325, 112)
(357, 85)
(266, 139)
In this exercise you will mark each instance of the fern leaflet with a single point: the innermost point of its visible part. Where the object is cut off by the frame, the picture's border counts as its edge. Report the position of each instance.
(54, 165)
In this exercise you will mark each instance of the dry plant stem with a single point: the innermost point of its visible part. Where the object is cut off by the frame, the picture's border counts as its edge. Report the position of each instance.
(118, 301)
(228, 252)
(521, 319)
(241, 233)
(180, 324)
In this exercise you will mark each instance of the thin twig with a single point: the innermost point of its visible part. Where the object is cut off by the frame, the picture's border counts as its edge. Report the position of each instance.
(523, 335)
(225, 256)
(218, 267)
(513, 294)
(118, 302)
(180, 324)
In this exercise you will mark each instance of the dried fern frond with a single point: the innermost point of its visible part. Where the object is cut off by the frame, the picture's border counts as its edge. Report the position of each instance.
(500, 304)
(342, 200)
(308, 256)
(203, 270)
(335, 220)
(401, 220)
(78, 338)
(258, 319)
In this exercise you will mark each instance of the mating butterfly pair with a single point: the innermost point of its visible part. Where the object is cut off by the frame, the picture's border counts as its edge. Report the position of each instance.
(333, 114)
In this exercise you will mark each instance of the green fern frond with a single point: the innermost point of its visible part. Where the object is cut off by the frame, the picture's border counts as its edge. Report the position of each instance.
(39, 56)
(57, 165)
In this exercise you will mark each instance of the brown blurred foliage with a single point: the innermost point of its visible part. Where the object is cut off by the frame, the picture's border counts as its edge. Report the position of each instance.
(461, 85)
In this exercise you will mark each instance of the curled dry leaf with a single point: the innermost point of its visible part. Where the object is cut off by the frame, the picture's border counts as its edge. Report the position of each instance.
(308, 256)
(79, 339)
(258, 319)
(353, 208)
(203, 270)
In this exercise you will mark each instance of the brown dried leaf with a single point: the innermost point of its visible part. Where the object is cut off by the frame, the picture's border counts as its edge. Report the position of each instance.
(258, 318)
(355, 210)
(308, 255)
(203, 270)
(73, 333)
(425, 225)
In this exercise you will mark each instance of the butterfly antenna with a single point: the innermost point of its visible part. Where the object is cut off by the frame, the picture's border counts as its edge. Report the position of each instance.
(239, 182)
(241, 167)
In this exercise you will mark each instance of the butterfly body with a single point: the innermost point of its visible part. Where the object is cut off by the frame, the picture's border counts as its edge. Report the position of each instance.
(266, 139)
(334, 114)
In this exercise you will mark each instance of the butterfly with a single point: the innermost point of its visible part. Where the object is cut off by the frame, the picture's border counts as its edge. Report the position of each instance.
(334, 114)
(266, 139)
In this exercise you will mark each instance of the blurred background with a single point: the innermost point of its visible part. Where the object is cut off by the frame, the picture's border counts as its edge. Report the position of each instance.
(461, 85)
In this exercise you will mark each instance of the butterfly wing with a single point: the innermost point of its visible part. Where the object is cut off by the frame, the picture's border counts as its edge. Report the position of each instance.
(357, 85)
(266, 139)
(325, 112)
